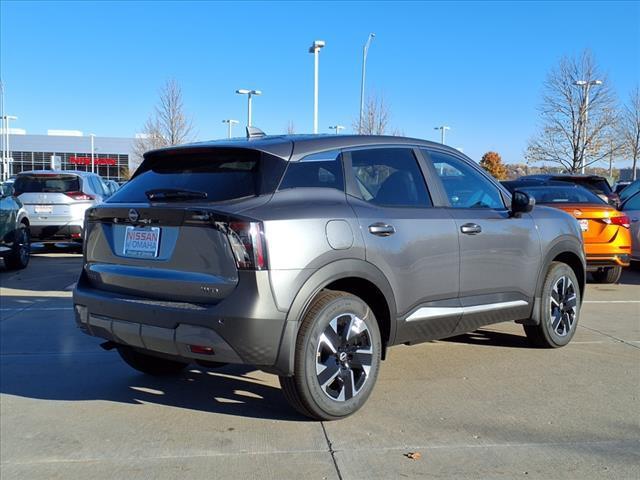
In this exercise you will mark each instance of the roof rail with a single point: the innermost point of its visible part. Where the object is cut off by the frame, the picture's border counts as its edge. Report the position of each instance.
(254, 132)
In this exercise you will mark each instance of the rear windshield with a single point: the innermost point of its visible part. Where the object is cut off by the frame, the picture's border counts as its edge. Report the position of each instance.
(46, 182)
(559, 195)
(594, 184)
(222, 174)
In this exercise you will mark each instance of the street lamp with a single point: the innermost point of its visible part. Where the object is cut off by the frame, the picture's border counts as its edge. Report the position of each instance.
(315, 49)
(365, 50)
(230, 123)
(337, 128)
(93, 153)
(585, 85)
(249, 93)
(443, 129)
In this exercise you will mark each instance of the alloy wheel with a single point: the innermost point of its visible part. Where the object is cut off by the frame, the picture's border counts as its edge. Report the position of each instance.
(344, 357)
(563, 306)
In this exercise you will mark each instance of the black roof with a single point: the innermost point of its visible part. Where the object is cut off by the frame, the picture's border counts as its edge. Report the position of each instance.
(296, 146)
(568, 176)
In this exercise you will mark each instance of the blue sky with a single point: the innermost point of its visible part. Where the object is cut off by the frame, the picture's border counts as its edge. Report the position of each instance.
(475, 66)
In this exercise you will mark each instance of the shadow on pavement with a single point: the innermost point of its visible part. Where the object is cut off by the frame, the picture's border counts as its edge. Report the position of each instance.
(83, 376)
(492, 338)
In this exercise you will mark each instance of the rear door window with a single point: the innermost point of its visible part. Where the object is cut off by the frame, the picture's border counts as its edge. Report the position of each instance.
(223, 174)
(389, 177)
(46, 182)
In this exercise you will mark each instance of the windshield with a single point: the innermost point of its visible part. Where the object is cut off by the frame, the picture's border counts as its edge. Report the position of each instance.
(46, 182)
(217, 174)
(556, 195)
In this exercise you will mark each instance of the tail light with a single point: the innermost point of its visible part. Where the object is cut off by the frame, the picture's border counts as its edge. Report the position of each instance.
(622, 220)
(79, 195)
(248, 245)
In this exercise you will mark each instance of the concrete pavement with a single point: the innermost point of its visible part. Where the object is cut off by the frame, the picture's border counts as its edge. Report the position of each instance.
(482, 405)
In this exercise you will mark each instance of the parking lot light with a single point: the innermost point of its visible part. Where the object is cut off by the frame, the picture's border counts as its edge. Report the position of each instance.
(249, 94)
(443, 129)
(315, 49)
(585, 85)
(230, 123)
(337, 128)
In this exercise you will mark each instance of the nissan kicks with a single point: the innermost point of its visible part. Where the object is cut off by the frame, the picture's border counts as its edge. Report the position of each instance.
(309, 256)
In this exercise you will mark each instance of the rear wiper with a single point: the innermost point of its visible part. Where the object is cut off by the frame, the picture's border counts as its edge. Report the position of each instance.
(174, 194)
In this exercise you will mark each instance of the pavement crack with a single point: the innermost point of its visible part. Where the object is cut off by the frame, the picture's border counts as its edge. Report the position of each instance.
(610, 336)
(331, 450)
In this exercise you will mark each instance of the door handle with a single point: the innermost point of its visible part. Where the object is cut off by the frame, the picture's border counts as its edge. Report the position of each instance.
(381, 229)
(470, 228)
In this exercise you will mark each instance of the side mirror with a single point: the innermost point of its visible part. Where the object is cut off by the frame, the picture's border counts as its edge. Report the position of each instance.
(521, 203)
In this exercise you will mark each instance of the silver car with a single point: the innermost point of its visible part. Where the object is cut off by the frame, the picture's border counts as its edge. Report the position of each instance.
(631, 207)
(56, 202)
(309, 256)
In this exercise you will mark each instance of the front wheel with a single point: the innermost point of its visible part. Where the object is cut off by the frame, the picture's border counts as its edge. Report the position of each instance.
(19, 256)
(607, 275)
(559, 308)
(337, 358)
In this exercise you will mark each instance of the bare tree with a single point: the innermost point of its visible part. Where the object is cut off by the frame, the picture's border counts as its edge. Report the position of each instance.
(291, 128)
(167, 125)
(630, 129)
(376, 117)
(577, 120)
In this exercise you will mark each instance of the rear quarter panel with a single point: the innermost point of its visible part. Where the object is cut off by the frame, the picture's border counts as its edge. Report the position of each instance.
(305, 230)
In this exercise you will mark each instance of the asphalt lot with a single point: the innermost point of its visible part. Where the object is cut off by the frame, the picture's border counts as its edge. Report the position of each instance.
(483, 405)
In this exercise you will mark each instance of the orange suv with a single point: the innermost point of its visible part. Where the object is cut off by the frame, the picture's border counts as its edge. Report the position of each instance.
(606, 231)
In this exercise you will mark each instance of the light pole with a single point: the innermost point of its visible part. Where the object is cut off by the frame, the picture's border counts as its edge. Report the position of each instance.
(6, 159)
(443, 129)
(337, 128)
(93, 153)
(365, 51)
(230, 123)
(586, 85)
(315, 49)
(249, 94)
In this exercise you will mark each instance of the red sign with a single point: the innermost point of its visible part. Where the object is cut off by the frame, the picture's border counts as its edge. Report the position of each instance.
(87, 161)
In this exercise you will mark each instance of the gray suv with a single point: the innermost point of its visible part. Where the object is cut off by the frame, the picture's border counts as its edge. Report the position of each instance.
(309, 256)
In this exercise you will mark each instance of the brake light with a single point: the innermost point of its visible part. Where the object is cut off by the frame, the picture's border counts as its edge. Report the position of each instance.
(79, 195)
(622, 220)
(248, 245)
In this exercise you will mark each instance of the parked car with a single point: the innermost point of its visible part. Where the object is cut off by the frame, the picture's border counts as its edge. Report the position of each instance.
(607, 239)
(629, 190)
(619, 186)
(597, 184)
(15, 245)
(309, 256)
(112, 185)
(57, 200)
(631, 207)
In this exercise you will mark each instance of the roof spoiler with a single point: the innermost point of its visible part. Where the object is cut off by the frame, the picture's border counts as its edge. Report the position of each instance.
(254, 132)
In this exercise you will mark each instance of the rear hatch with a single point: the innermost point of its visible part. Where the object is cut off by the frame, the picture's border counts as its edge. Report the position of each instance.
(177, 231)
(52, 198)
(596, 221)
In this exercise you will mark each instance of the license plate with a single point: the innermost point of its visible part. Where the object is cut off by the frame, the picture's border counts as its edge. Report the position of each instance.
(584, 225)
(141, 242)
(43, 208)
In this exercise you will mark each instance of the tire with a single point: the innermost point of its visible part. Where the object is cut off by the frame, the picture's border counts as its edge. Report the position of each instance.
(560, 304)
(21, 250)
(607, 275)
(335, 370)
(150, 364)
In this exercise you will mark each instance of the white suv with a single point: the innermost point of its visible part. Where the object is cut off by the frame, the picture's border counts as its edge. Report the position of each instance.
(56, 201)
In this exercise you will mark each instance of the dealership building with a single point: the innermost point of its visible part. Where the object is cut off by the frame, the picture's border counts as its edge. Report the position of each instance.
(69, 150)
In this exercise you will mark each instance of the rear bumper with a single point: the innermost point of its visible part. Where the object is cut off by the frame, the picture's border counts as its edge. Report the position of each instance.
(56, 232)
(597, 261)
(246, 327)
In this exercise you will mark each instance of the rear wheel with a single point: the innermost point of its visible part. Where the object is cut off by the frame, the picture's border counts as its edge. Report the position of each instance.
(337, 358)
(19, 256)
(559, 308)
(607, 275)
(150, 364)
